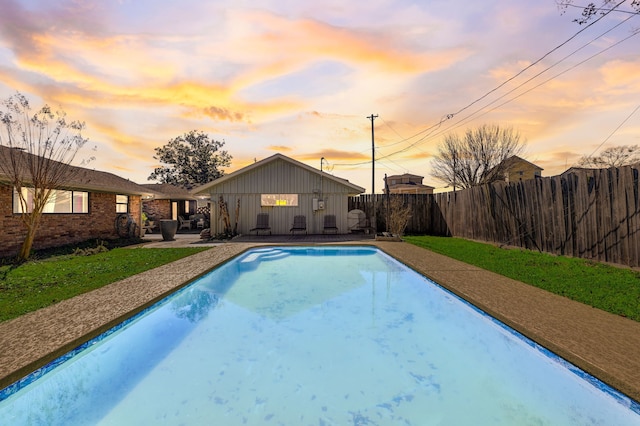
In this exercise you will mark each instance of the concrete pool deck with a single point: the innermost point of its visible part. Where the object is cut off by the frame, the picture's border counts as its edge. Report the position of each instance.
(605, 345)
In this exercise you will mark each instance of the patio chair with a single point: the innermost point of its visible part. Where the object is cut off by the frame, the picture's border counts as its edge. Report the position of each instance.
(299, 224)
(330, 224)
(262, 223)
(197, 220)
(184, 223)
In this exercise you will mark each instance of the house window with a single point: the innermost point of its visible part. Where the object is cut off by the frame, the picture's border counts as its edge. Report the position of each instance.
(59, 201)
(273, 200)
(122, 204)
(80, 202)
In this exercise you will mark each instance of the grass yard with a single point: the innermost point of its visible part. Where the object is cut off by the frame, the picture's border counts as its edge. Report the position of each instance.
(40, 283)
(612, 289)
(43, 282)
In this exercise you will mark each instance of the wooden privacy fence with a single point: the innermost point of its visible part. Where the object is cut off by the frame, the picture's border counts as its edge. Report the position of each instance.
(425, 214)
(593, 214)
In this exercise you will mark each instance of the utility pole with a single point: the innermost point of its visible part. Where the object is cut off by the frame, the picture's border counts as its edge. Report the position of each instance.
(373, 156)
(373, 175)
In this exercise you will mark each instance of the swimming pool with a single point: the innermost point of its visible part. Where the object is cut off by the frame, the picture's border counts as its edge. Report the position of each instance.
(313, 335)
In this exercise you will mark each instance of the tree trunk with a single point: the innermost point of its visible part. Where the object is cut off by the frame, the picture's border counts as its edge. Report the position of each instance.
(25, 250)
(31, 222)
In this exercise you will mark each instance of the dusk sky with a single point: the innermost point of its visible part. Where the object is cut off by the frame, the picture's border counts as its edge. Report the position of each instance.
(301, 77)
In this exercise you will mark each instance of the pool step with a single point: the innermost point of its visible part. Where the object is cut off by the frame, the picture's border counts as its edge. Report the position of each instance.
(252, 260)
(274, 255)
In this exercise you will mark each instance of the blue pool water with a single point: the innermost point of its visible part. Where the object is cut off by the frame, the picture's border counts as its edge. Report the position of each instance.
(313, 336)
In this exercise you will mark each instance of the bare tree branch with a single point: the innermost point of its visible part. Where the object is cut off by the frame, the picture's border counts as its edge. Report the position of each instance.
(590, 9)
(36, 151)
(477, 157)
(616, 156)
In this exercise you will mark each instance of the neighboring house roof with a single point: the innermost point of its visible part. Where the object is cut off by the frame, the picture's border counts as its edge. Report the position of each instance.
(576, 169)
(507, 166)
(407, 183)
(409, 186)
(405, 175)
(201, 190)
(513, 160)
(166, 191)
(86, 179)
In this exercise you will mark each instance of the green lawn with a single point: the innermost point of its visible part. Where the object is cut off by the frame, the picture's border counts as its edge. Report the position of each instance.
(39, 283)
(612, 289)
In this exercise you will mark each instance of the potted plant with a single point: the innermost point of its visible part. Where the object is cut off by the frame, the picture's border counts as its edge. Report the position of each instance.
(168, 227)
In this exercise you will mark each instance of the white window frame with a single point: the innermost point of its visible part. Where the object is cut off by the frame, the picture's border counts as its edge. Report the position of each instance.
(122, 203)
(279, 200)
(59, 202)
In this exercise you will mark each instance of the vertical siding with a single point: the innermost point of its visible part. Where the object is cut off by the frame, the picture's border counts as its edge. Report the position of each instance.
(279, 177)
(593, 214)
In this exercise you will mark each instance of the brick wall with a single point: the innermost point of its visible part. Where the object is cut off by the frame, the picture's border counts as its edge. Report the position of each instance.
(61, 229)
(157, 209)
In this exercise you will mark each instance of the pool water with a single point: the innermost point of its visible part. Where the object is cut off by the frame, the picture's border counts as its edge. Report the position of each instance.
(313, 336)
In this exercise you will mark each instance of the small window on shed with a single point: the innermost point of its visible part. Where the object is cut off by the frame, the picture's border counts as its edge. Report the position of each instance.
(279, 200)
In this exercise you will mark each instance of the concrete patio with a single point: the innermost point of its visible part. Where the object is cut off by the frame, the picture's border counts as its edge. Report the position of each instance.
(605, 345)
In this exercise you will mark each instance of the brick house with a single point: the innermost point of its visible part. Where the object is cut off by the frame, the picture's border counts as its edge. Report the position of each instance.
(88, 207)
(171, 202)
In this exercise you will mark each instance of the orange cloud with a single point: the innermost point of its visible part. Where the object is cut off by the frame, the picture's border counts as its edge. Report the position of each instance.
(287, 45)
(621, 74)
(279, 148)
(420, 155)
(223, 114)
(135, 147)
(333, 155)
(129, 77)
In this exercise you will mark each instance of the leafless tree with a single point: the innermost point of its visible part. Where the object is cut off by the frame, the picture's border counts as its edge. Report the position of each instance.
(477, 157)
(616, 156)
(399, 215)
(591, 9)
(36, 150)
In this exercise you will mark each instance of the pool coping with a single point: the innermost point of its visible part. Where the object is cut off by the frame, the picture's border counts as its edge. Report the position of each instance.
(604, 345)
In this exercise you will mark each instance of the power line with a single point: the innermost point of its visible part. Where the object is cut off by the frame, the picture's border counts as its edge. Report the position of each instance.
(545, 81)
(615, 130)
(434, 127)
(468, 117)
(543, 71)
(538, 60)
(598, 9)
